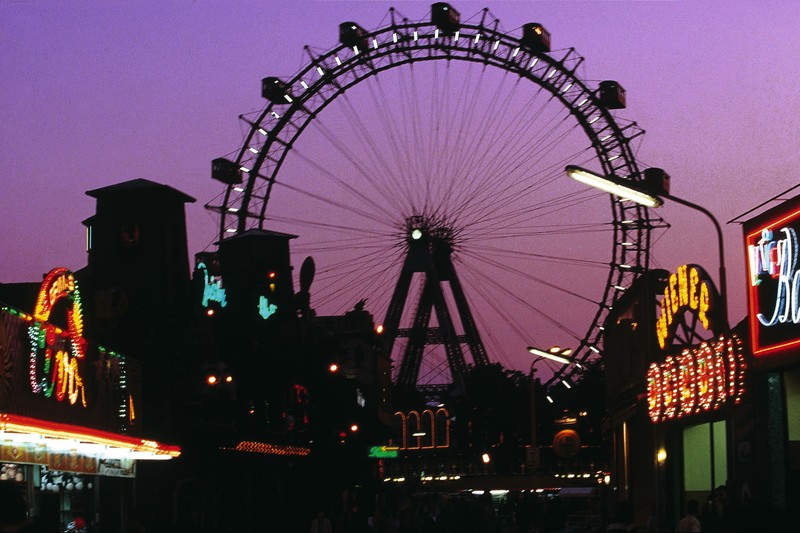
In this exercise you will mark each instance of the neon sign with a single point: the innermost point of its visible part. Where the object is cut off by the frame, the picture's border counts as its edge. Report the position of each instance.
(212, 288)
(687, 289)
(62, 351)
(701, 379)
(383, 452)
(773, 274)
(266, 309)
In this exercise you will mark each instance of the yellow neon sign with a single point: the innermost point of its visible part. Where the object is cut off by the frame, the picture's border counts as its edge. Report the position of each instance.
(59, 373)
(687, 289)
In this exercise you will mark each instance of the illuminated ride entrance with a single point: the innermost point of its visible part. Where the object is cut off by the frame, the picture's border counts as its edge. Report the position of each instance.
(422, 164)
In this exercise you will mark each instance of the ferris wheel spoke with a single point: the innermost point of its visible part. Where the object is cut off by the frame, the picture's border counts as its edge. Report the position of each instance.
(530, 277)
(373, 154)
(577, 261)
(458, 136)
(480, 174)
(500, 232)
(373, 216)
(494, 170)
(544, 209)
(519, 300)
(337, 229)
(523, 182)
(388, 197)
(528, 183)
(500, 170)
(352, 274)
(493, 114)
(514, 322)
(380, 103)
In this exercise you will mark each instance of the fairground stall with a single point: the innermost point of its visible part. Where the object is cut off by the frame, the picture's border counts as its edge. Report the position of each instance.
(677, 389)
(68, 414)
(772, 254)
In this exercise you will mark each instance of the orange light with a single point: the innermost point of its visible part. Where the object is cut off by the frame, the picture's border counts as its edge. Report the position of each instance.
(211, 380)
(334, 367)
(379, 329)
(42, 428)
(228, 379)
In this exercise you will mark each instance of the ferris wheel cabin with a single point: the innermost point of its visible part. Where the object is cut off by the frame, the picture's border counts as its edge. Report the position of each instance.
(536, 37)
(276, 90)
(353, 35)
(226, 171)
(612, 95)
(444, 17)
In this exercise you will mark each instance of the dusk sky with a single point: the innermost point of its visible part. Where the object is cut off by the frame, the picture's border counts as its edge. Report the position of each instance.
(98, 92)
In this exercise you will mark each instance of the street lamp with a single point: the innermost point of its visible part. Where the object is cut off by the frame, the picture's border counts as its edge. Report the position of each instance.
(554, 354)
(649, 193)
(559, 355)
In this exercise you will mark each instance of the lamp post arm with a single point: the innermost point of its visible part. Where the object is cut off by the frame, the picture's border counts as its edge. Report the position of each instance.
(723, 290)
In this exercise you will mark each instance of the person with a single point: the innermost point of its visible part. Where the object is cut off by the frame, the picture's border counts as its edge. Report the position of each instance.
(321, 524)
(689, 523)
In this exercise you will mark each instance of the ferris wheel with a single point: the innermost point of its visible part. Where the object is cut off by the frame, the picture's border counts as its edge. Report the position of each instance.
(456, 134)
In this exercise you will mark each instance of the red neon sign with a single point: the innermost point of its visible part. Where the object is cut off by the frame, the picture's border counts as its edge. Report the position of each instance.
(773, 279)
(699, 380)
(56, 355)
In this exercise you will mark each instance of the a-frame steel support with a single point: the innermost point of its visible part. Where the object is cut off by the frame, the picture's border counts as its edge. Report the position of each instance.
(430, 255)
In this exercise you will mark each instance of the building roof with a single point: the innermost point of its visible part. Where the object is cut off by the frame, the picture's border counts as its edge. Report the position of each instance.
(135, 186)
(255, 232)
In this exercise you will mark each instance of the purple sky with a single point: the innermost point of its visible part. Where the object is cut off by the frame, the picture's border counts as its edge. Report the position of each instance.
(95, 93)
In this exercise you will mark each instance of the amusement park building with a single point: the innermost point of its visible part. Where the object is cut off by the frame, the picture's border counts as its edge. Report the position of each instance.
(263, 397)
(696, 408)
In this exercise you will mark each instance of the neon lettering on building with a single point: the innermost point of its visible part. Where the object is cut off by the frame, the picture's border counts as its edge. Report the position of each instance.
(701, 379)
(775, 255)
(56, 355)
(266, 309)
(212, 288)
(773, 274)
(421, 431)
(686, 289)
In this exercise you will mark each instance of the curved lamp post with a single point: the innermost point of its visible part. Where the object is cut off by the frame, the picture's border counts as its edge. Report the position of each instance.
(557, 354)
(649, 193)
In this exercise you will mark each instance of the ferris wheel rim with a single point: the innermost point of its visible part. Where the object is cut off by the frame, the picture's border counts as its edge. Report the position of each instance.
(397, 44)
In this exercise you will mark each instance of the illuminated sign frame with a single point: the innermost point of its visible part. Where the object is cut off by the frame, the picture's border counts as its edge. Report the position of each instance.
(688, 289)
(60, 372)
(772, 255)
(699, 380)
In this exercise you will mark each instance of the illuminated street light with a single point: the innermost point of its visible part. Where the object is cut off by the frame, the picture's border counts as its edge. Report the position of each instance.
(557, 354)
(554, 354)
(649, 193)
(614, 186)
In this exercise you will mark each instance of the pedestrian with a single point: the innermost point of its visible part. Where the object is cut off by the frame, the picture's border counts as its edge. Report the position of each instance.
(690, 523)
(321, 524)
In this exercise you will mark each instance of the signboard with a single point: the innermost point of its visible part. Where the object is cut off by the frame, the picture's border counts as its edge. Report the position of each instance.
(383, 452)
(773, 278)
(688, 289)
(65, 461)
(54, 373)
(701, 379)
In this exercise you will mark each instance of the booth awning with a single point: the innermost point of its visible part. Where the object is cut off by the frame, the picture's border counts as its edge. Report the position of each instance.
(44, 436)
